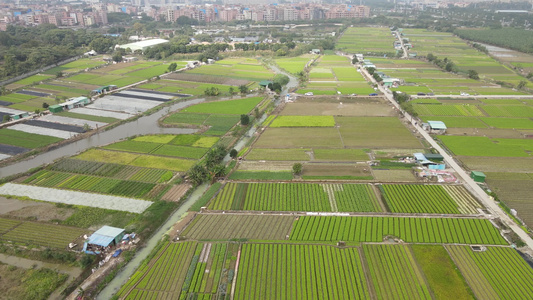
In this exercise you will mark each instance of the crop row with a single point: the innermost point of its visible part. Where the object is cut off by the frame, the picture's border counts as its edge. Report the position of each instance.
(394, 272)
(182, 270)
(167, 274)
(494, 273)
(411, 230)
(295, 197)
(278, 271)
(225, 227)
(47, 235)
(410, 198)
(107, 170)
(356, 197)
(94, 184)
(466, 203)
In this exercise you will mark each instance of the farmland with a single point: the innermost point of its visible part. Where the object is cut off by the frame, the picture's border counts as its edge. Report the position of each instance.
(240, 68)
(294, 64)
(356, 40)
(396, 265)
(425, 199)
(410, 230)
(38, 234)
(296, 197)
(494, 273)
(300, 272)
(225, 227)
(183, 269)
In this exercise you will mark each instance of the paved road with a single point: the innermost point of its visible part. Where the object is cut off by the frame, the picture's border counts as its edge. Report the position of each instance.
(405, 54)
(491, 205)
(476, 96)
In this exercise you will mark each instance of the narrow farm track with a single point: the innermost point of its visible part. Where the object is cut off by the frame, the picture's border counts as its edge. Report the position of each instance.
(462, 174)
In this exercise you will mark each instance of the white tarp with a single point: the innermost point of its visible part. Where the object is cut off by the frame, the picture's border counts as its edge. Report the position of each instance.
(72, 121)
(75, 198)
(101, 113)
(44, 131)
(123, 104)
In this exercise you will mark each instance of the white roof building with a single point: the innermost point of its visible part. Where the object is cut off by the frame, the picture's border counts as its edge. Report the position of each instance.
(143, 45)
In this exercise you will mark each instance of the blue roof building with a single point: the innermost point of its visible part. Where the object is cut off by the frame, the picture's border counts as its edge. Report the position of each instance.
(102, 238)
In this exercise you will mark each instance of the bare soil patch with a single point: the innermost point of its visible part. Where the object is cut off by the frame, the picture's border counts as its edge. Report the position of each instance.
(311, 169)
(265, 166)
(176, 192)
(44, 212)
(491, 133)
(394, 175)
(9, 205)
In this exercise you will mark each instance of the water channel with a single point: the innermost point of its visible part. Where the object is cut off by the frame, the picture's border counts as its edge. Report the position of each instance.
(143, 125)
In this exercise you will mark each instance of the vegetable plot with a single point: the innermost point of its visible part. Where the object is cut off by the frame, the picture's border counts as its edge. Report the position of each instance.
(278, 271)
(410, 198)
(410, 230)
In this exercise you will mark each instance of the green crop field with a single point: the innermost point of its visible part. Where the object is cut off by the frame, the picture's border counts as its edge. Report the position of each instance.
(494, 273)
(483, 146)
(442, 275)
(230, 107)
(433, 199)
(394, 272)
(410, 230)
(366, 39)
(294, 64)
(295, 197)
(182, 269)
(181, 151)
(25, 139)
(272, 271)
(38, 234)
(303, 121)
(133, 146)
(225, 227)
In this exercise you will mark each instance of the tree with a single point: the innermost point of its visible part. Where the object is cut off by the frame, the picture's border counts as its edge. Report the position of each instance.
(521, 84)
(472, 74)
(117, 57)
(59, 74)
(45, 105)
(371, 70)
(245, 120)
(297, 168)
(233, 153)
(6, 118)
(231, 91)
(243, 89)
(354, 60)
(431, 57)
(172, 67)
(281, 79)
(197, 174)
(450, 66)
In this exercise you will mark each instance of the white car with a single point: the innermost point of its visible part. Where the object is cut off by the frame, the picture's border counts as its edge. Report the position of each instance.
(309, 94)
(465, 94)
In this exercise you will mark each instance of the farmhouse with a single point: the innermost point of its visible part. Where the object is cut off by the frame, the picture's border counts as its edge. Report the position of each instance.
(391, 82)
(70, 104)
(104, 237)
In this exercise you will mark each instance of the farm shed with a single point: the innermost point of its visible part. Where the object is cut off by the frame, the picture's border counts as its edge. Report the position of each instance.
(391, 82)
(265, 83)
(104, 237)
(75, 102)
(105, 88)
(55, 108)
(478, 176)
(437, 127)
(19, 116)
